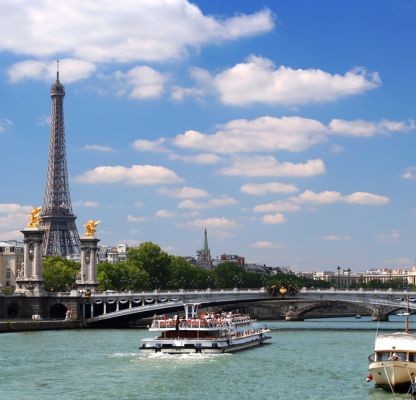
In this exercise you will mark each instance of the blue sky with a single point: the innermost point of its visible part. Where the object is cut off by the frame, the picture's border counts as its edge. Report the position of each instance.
(286, 128)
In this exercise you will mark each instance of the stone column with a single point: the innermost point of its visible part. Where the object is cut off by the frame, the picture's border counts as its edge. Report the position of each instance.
(30, 281)
(89, 258)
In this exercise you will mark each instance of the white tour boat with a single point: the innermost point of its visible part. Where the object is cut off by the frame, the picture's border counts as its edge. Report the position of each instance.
(393, 364)
(204, 333)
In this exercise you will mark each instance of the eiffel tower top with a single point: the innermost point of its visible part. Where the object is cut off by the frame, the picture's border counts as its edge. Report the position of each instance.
(57, 89)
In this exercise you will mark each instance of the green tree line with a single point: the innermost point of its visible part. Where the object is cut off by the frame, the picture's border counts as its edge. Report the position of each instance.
(148, 267)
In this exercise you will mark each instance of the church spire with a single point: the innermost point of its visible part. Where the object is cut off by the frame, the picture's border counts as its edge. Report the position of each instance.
(204, 255)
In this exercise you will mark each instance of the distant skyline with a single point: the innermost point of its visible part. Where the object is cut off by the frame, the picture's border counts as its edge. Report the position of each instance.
(285, 128)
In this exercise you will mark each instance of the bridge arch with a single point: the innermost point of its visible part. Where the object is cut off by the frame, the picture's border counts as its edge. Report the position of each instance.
(58, 311)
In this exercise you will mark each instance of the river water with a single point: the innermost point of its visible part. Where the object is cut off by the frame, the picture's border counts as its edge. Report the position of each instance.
(314, 359)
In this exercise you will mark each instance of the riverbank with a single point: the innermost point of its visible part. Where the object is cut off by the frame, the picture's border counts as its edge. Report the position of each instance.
(29, 325)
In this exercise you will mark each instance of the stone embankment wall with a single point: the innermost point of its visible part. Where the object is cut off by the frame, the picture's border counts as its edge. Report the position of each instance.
(22, 326)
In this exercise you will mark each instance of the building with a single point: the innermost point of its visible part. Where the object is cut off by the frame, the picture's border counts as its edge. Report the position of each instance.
(239, 260)
(203, 256)
(11, 258)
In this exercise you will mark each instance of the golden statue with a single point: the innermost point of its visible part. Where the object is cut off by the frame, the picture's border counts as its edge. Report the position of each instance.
(34, 218)
(91, 227)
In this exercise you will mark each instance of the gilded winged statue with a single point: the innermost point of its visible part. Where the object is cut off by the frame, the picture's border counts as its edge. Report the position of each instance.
(34, 217)
(91, 227)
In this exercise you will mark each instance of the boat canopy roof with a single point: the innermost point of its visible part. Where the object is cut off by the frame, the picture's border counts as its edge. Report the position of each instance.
(401, 342)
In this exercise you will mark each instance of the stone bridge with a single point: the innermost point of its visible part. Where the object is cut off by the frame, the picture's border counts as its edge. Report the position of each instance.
(118, 309)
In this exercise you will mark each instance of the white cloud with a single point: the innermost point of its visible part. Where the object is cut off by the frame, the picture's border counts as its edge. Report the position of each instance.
(361, 128)
(5, 124)
(204, 159)
(13, 218)
(74, 70)
(277, 207)
(14, 208)
(134, 175)
(269, 166)
(165, 214)
(274, 219)
(334, 238)
(330, 197)
(185, 192)
(222, 201)
(258, 81)
(139, 83)
(192, 205)
(135, 219)
(366, 199)
(154, 146)
(121, 31)
(11, 235)
(264, 244)
(43, 120)
(262, 189)
(212, 223)
(264, 134)
(138, 204)
(326, 197)
(87, 204)
(99, 148)
(392, 236)
(409, 173)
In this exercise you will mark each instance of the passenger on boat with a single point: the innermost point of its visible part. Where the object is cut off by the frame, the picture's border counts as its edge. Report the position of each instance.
(394, 357)
(413, 386)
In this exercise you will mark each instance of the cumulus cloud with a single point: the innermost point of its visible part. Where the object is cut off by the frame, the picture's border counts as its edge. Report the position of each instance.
(392, 236)
(264, 134)
(87, 204)
(154, 146)
(334, 238)
(185, 192)
(274, 219)
(361, 128)
(277, 207)
(222, 201)
(135, 219)
(165, 214)
(134, 175)
(75, 70)
(121, 31)
(203, 159)
(409, 173)
(264, 244)
(262, 189)
(330, 197)
(192, 204)
(258, 81)
(13, 218)
(98, 148)
(5, 124)
(269, 166)
(211, 223)
(140, 83)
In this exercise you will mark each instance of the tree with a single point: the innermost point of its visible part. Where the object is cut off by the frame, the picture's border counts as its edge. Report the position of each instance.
(228, 275)
(156, 263)
(59, 274)
(121, 276)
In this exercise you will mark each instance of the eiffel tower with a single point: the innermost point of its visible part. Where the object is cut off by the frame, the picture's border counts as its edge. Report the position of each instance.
(61, 236)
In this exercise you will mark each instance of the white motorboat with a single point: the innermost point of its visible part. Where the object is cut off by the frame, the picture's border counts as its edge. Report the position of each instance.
(392, 366)
(204, 333)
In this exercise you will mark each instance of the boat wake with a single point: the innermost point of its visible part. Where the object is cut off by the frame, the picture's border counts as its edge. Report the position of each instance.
(191, 358)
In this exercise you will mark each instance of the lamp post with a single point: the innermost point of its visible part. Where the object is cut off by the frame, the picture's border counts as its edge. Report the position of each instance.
(338, 271)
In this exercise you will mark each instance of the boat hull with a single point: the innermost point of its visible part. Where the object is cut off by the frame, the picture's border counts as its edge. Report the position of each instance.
(202, 347)
(392, 375)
